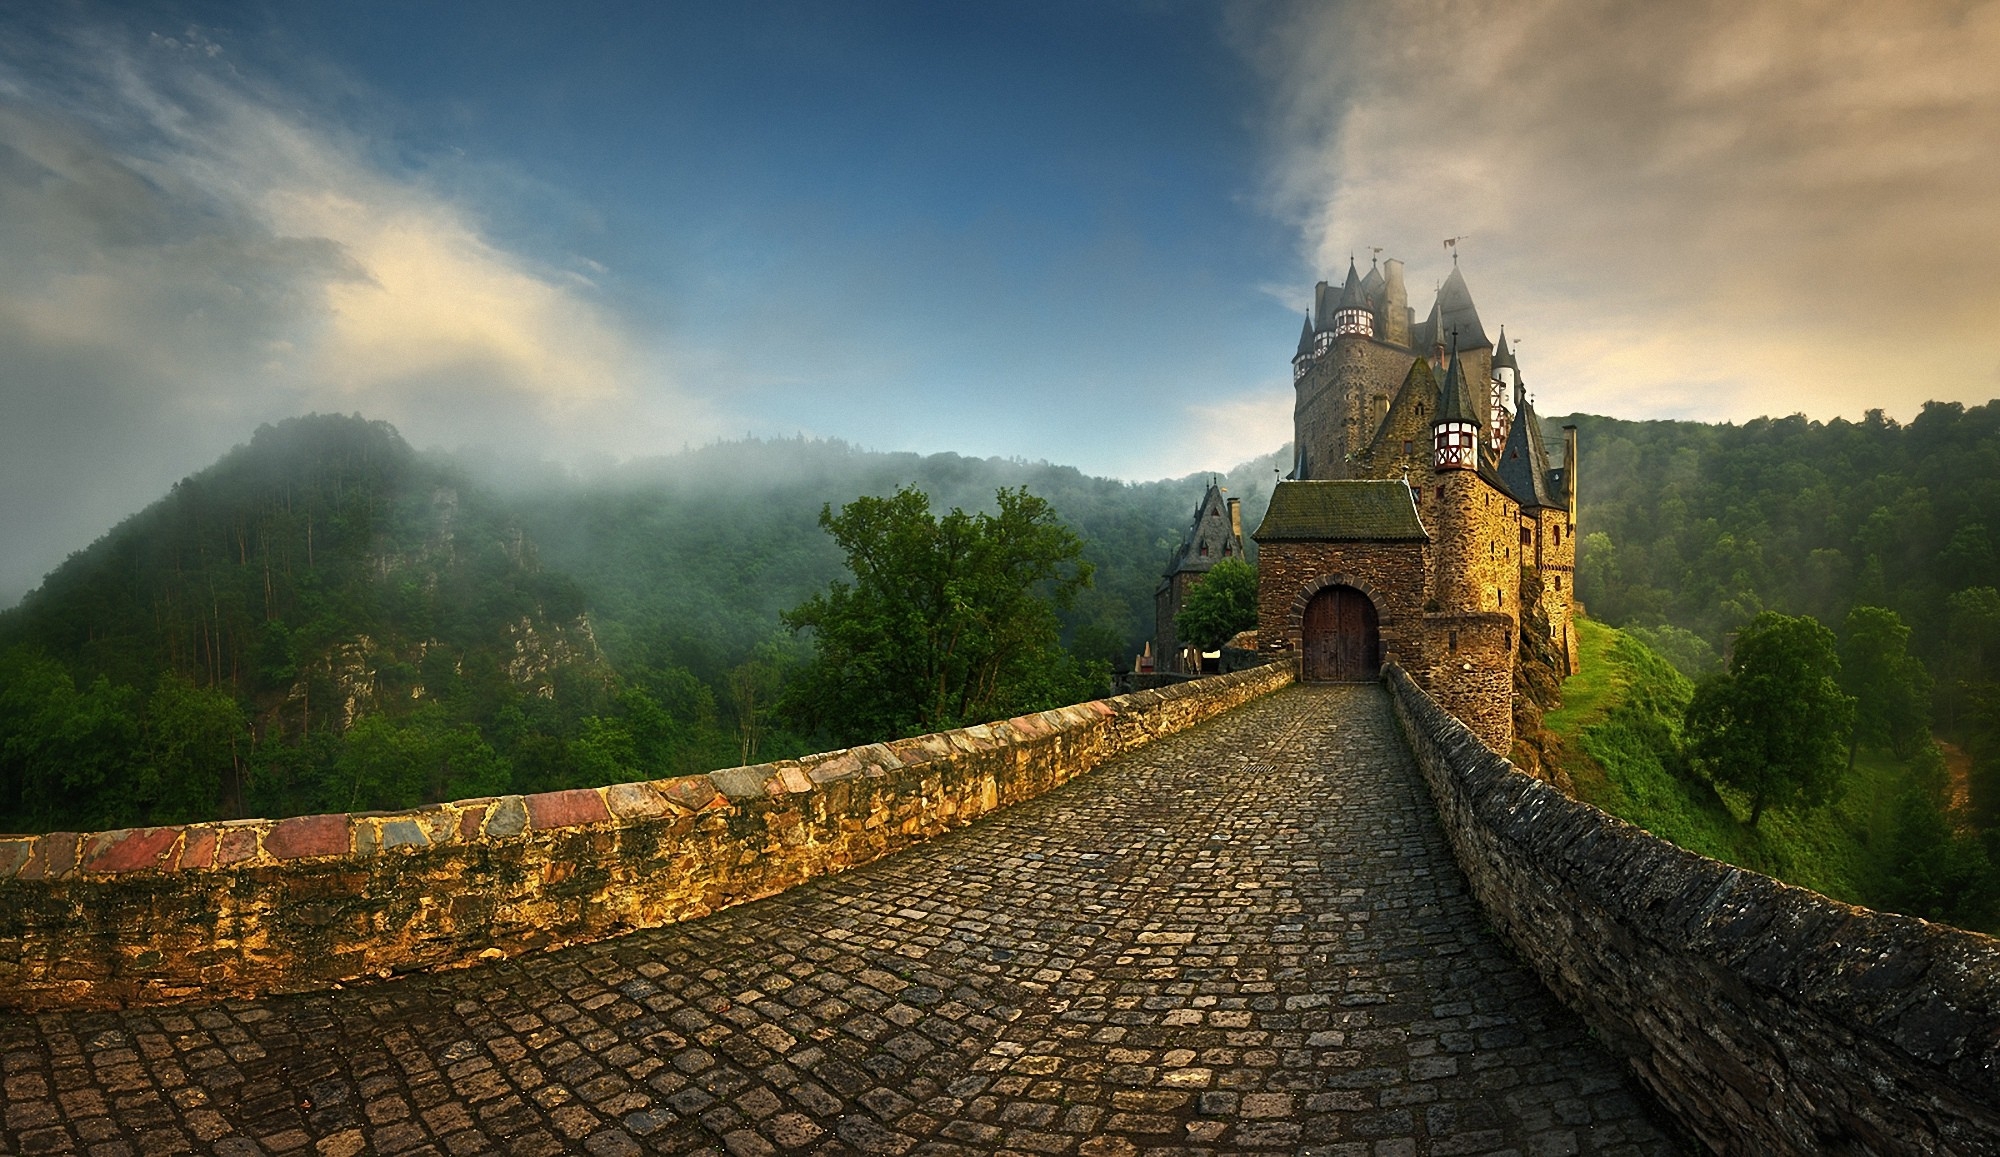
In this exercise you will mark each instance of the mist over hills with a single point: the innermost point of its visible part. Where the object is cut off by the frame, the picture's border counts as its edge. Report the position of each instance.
(348, 622)
(327, 618)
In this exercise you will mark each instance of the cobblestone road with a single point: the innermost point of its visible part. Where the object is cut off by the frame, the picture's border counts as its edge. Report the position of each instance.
(1248, 937)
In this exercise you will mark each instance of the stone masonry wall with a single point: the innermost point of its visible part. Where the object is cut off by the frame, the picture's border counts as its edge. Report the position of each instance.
(1394, 575)
(1767, 1018)
(224, 909)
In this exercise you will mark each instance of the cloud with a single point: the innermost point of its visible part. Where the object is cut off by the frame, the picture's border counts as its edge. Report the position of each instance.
(1712, 209)
(186, 254)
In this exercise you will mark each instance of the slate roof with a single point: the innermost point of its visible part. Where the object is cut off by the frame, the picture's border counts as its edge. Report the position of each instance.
(1350, 294)
(1306, 337)
(1524, 460)
(1502, 356)
(1457, 314)
(1374, 285)
(1342, 511)
(1453, 311)
(1455, 401)
(1210, 528)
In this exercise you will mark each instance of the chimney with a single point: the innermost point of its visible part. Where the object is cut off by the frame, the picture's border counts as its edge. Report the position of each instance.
(1396, 304)
(1236, 522)
(1569, 472)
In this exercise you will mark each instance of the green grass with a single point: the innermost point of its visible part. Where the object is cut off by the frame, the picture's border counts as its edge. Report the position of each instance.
(1620, 727)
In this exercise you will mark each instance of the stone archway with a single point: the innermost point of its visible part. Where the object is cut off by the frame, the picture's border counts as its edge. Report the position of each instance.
(1340, 637)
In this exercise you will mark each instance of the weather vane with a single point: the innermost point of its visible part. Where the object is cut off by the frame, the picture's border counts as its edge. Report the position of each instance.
(1451, 243)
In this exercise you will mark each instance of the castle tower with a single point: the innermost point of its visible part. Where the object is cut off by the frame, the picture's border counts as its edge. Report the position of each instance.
(1506, 375)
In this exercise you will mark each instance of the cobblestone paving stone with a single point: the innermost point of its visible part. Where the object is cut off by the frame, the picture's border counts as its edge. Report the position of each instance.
(1248, 937)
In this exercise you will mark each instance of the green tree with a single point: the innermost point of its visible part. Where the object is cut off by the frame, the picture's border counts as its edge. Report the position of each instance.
(1221, 604)
(192, 765)
(1892, 691)
(1775, 725)
(948, 620)
(66, 754)
(387, 763)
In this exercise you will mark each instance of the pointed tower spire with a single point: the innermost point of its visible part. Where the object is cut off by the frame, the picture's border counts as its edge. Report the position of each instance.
(1455, 430)
(1306, 337)
(1353, 315)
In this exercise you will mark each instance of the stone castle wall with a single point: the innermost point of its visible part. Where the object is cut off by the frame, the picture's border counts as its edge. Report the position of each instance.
(1555, 555)
(1336, 411)
(1394, 576)
(1767, 1018)
(224, 909)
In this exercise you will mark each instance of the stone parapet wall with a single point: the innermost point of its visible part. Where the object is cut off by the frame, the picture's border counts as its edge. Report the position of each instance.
(1767, 1018)
(225, 909)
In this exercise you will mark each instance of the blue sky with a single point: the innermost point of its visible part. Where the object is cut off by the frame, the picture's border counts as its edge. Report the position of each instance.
(1064, 231)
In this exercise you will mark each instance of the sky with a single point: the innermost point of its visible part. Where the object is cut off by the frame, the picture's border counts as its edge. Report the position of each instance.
(1079, 232)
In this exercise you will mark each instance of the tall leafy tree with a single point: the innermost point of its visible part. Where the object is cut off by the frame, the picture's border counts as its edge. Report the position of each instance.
(1891, 688)
(1776, 724)
(948, 620)
(1223, 603)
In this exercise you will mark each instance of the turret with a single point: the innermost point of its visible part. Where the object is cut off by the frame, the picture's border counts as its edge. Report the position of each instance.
(1322, 318)
(1302, 361)
(1455, 430)
(1506, 379)
(1353, 315)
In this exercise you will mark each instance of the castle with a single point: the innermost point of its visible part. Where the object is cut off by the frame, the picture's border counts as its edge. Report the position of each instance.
(1422, 521)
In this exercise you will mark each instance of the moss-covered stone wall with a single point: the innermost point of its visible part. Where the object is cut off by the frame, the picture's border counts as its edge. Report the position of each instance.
(1768, 1018)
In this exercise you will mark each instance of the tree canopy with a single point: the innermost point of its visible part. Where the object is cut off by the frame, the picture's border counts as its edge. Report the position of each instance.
(1775, 725)
(948, 620)
(1223, 603)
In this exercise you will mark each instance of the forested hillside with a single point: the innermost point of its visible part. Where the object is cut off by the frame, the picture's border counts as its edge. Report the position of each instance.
(327, 620)
(1699, 527)
(1691, 530)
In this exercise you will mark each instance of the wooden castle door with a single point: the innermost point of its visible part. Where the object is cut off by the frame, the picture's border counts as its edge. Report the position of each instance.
(1341, 637)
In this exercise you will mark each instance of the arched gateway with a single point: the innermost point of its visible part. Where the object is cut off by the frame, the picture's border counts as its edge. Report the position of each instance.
(1341, 637)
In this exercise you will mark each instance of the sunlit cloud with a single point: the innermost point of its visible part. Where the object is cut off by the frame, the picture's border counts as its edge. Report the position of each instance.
(1712, 210)
(187, 254)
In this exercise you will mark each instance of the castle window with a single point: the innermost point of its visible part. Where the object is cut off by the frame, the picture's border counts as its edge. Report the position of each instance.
(1559, 582)
(1453, 637)
(1406, 447)
(1524, 536)
(1204, 550)
(1502, 597)
(1440, 494)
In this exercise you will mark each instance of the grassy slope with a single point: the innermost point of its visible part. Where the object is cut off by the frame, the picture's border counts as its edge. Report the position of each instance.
(1623, 692)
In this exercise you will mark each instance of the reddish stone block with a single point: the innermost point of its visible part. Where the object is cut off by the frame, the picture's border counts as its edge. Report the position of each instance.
(235, 845)
(562, 809)
(14, 854)
(130, 850)
(303, 836)
(54, 856)
(198, 850)
(469, 821)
